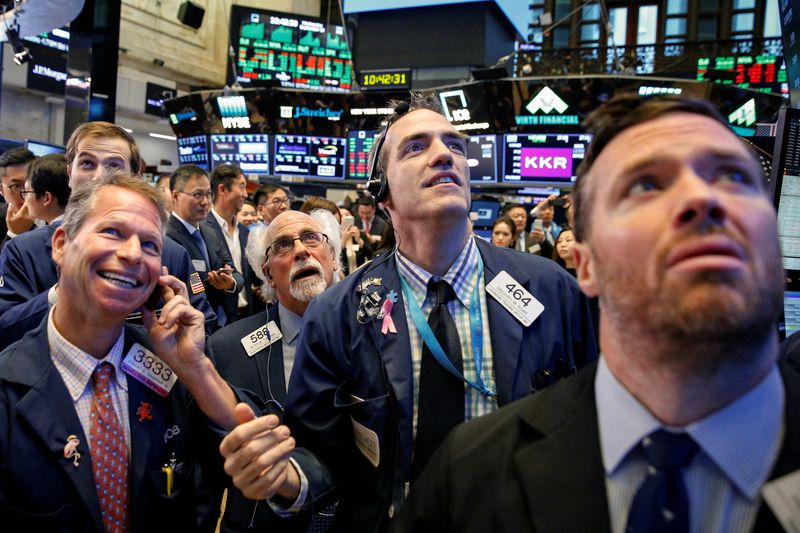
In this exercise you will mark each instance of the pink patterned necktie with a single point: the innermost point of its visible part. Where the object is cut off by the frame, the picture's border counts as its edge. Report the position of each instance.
(109, 453)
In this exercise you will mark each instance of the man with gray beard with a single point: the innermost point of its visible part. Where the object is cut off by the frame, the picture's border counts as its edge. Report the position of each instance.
(296, 258)
(689, 418)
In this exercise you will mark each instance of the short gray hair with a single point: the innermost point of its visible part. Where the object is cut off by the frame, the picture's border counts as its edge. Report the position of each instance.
(256, 250)
(83, 199)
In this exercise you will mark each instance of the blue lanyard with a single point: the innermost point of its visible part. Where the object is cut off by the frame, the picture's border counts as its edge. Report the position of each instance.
(476, 327)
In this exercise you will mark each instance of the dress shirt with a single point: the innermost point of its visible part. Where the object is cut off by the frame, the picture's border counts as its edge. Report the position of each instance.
(234, 247)
(290, 328)
(76, 366)
(462, 276)
(739, 445)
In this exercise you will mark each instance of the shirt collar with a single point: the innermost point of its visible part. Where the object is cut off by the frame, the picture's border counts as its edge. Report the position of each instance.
(189, 227)
(462, 274)
(290, 323)
(726, 436)
(76, 365)
(222, 222)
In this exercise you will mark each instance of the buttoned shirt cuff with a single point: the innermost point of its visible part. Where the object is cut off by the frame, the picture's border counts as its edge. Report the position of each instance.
(233, 290)
(52, 295)
(10, 234)
(299, 503)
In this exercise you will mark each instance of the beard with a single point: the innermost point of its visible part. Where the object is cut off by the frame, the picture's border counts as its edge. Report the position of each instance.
(306, 289)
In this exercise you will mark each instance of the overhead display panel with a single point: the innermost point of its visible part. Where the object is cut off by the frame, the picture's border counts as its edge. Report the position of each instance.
(546, 159)
(310, 156)
(249, 151)
(359, 143)
(273, 48)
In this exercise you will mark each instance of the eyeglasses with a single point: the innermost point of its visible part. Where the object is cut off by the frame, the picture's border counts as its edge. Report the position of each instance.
(24, 194)
(284, 245)
(197, 195)
(278, 202)
(15, 188)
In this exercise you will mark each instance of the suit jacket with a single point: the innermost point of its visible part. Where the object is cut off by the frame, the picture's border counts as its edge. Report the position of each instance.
(262, 374)
(3, 225)
(40, 490)
(376, 228)
(218, 256)
(27, 271)
(544, 248)
(351, 373)
(254, 305)
(546, 472)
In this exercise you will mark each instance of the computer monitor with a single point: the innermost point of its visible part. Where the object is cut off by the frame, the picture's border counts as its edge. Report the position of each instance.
(486, 211)
(8, 144)
(359, 143)
(311, 156)
(41, 148)
(482, 158)
(791, 312)
(785, 185)
(193, 150)
(248, 150)
(543, 158)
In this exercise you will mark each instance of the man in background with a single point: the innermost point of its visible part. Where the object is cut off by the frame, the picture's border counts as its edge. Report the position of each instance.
(270, 200)
(47, 188)
(14, 216)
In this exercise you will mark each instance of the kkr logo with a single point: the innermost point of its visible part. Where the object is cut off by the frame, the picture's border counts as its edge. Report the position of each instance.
(457, 113)
(745, 115)
(546, 101)
(546, 162)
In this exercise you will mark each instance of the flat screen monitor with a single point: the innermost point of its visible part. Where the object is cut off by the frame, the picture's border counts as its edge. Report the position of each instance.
(8, 144)
(484, 233)
(482, 158)
(785, 185)
(310, 156)
(298, 51)
(543, 158)
(40, 148)
(359, 143)
(486, 212)
(193, 151)
(791, 312)
(248, 150)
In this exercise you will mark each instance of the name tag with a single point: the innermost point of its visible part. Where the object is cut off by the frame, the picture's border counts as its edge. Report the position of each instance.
(148, 369)
(367, 442)
(515, 298)
(199, 265)
(783, 497)
(260, 338)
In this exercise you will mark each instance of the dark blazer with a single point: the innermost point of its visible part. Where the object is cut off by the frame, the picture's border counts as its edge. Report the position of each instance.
(351, 372)
(262, 374)
(27, 271)
(546, 471)
(218, 256)
(254, 304)
(3, 225)
(40, 490)
(376, 228)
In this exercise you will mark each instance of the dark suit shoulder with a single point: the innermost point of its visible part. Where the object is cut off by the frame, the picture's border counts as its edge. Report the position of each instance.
(232, 333)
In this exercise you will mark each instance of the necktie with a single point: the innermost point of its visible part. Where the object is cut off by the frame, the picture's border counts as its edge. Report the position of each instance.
(661, 504)
(366, 226)
(441, 394)
(521, 242)
(109, 453)
(198, 238)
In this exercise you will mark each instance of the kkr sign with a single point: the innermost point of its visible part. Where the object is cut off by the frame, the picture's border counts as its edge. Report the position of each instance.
(546, 162)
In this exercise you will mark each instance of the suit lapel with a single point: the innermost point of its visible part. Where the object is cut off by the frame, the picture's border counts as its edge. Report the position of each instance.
(560, 469)
(178, 231)
(48, 408)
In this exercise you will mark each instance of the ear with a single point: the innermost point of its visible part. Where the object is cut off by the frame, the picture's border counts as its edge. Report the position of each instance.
(174, 196)
(48, 198)
(585, 268)
(265, 270)
(221, 189)
(59, 241)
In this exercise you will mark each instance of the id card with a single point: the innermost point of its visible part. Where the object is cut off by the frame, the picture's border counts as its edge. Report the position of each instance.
(147, 368)
(783, 497)
(260, 338)
(515, 298)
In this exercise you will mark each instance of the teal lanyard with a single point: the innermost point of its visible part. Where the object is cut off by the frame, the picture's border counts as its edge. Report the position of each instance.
(476, 327)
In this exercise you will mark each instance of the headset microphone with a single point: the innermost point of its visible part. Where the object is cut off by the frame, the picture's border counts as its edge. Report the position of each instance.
(377, 184)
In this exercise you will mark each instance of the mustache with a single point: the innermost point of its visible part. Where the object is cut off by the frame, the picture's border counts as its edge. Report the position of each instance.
(306, 264)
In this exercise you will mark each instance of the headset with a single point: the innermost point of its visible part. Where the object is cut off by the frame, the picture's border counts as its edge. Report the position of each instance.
(377, 184)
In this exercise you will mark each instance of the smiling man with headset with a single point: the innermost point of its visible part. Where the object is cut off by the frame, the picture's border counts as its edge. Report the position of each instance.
(445, 328)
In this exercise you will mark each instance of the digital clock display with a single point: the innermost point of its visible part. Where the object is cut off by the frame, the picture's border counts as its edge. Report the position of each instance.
(385, 79)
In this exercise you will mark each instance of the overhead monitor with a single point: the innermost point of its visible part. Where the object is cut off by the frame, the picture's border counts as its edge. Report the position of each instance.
(272, 48)
(544, 158)
(250, 151)
(41, 148)
(785, 184)
(310, 156)
(8, 144)
(482, 158)
(359, 143)
(485, 213)
(193, 150)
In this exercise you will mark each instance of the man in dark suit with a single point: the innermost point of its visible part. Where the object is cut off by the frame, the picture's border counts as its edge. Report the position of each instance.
(13, 169)
(368, 221)
(679, 241)
(96, 434)
(257, 353)
(228, 193)
(371, 400)
(191, 192)
(527, 241)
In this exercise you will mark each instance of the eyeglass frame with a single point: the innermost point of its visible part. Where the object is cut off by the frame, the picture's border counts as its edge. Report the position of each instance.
(198, 195)
(24, 193)
(278, 201)
(11, 187)
(294, 239)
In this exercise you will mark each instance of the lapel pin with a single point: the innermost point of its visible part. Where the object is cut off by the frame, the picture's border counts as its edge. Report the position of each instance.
(71, 450)
(145, 411)
(388, 324)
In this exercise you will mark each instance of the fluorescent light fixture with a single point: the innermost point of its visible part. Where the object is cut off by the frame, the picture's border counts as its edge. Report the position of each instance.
(166, 137)
(127, 129)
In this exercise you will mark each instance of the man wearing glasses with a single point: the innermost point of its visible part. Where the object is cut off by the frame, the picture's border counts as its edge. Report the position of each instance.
(296, 261)
(14, 219)
(271, 200)
(191, 202)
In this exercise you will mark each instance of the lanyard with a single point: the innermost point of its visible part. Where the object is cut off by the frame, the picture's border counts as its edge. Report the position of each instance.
(476, 326)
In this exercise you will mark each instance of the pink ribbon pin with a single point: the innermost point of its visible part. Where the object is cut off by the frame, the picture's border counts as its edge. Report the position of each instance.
(388, 323)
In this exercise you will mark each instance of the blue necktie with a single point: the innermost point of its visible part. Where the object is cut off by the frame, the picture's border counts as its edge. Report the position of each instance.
(198, 238)
(661, 504)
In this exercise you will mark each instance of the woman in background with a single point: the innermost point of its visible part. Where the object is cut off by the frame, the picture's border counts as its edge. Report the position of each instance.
(504, 232)
(562, 251)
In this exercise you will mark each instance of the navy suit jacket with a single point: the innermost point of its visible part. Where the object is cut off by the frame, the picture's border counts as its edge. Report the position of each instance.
(254, 304)
(27, 272)
(546, 471)
(376, 228)
(218, 256)
(350, 373)
(262, 374)
(40, 490)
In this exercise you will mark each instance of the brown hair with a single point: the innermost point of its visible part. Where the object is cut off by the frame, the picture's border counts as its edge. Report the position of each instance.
(107, 130)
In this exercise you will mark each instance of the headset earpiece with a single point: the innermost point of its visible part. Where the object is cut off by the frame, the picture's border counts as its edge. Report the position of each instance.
(377, 184)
